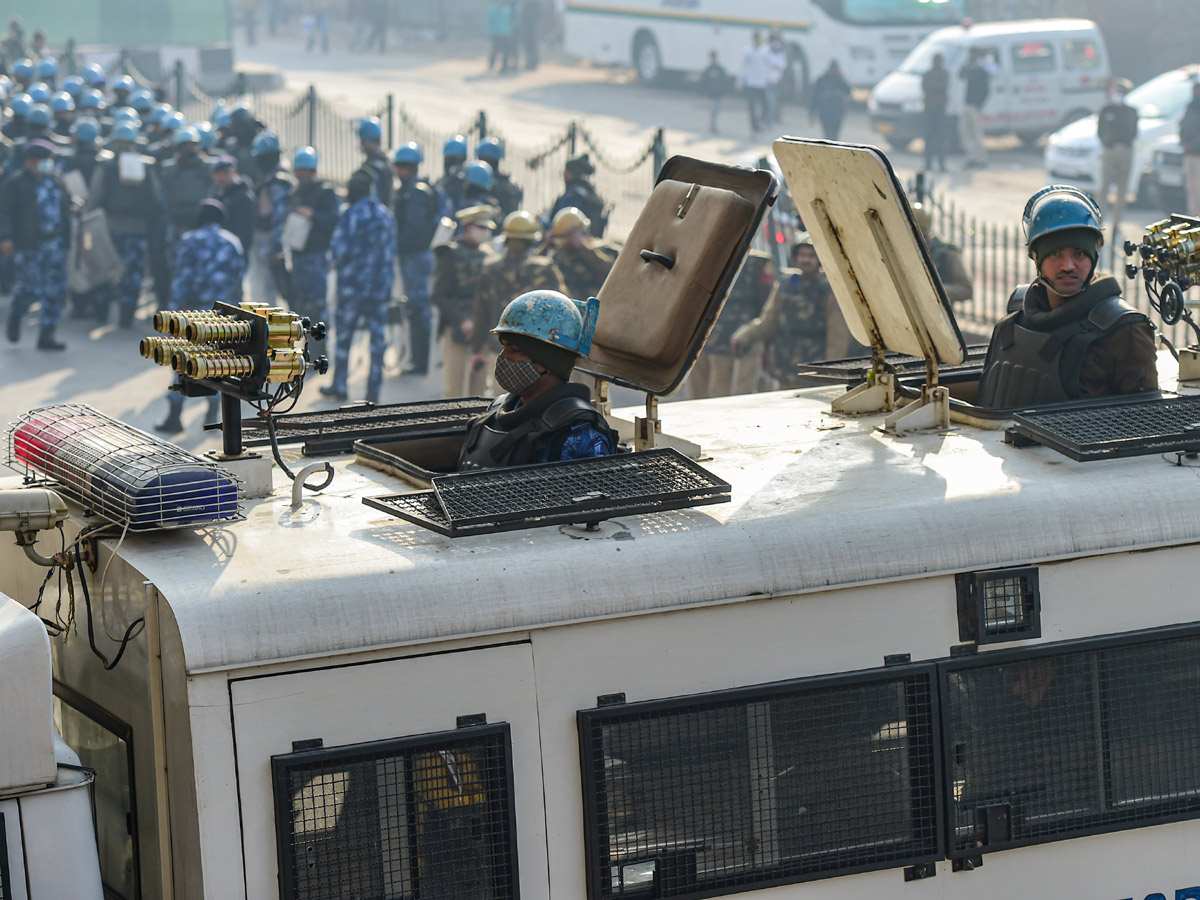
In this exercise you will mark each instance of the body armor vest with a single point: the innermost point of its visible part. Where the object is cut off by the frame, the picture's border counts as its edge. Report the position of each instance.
(504, 436)
(1027, 365)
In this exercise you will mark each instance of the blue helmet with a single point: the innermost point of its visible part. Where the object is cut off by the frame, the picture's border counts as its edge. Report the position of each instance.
(208, 135)
(125, 131)
(93, 75)
(159, 113)
(127, 113)
(1059, 207)
(20, 106)
(173, 121)
(552, 318)
(222, 120)
(490, 150)
(124, 83)
(85, 130)
(185, 135)
(62, 102)
(92, 99)
(48, 68)
(39, 92)
(142, 100)
(304, 158)
(369, 129)
(22, 69)
(73, 85)
(455, 146)
(39, 116)
(479, 174)
(216, 113)
(408, 155)
(264, 142)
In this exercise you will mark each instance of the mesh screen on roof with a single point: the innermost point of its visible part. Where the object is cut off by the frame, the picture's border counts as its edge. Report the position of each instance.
(427, 818)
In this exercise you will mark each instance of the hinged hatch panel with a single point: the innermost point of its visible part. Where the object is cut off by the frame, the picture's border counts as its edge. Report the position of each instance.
(870, 248)
(671, 278)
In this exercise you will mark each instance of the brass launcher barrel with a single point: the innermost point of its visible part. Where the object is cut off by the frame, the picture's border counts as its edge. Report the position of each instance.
(286, 365)
(159, 348)
(210, 365)
(222, 330)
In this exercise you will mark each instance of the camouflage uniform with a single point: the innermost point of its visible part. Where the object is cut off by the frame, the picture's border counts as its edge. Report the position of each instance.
(35, 216)
(456, 270)
(717, 372)
(310, 266)
(802, 323)
(271, 194)
(947, 259)
(363, 249)
(584, 268)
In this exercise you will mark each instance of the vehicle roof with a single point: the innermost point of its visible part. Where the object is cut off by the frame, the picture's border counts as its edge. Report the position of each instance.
(1020, 26)
(817, 502)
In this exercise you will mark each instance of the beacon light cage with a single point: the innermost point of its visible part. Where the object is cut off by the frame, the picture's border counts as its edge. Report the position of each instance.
(118, 473)
(1000, 605)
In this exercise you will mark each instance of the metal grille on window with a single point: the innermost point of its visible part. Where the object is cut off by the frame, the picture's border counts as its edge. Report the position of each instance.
(1049, 746)
(1001, 605)
(743, 789)
(429, 818)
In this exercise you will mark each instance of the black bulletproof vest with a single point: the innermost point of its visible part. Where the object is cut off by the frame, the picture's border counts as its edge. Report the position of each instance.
(504, 436)
(1027, 365)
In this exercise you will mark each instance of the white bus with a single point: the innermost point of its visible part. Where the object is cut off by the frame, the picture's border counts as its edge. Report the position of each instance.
(868, 38)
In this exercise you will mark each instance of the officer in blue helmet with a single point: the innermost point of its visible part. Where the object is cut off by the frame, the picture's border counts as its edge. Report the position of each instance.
(24, 73)
(63, 108)
(131, 197)
(186, 181)
(363, 250)
(477, 185)
(35, 224)
(122, 89)
(370, 138)
(581, 193)
(39, 92)
(507, 193)
(269, 276)
(1068, 335)
(208, 136)
(39, 125)
(93, 75)
(543, 416)
(18, 107)
(238, 141)
(73, 85)
(142, 100)
(417, 209)
(237, 196)
(450, 185)
(314, 200)
(83, 159)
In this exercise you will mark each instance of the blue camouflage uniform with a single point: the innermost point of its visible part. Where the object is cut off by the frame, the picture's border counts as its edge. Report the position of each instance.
(209, 267)
(34, 214)
(417, 210)
(363, 249)
(584, 440)
(271, 195)
(310, 266)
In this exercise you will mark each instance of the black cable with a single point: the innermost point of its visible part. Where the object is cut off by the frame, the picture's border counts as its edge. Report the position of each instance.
(288, 472)
(125, 639)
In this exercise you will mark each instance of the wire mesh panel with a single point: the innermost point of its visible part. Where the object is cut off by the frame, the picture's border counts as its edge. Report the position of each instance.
(427, 817)
(1116, 430)
(1050, 745)
(119, 473)
(743, 789)
(350, 424)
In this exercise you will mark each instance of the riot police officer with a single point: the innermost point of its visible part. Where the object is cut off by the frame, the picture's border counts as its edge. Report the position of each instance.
(268, 271)
(186, 181)
(477, 186)
(584, 261)
(370, 137)
(507, 193)
(363, 249)
(417, 208)
(456, 270)
(542, 416)
(239, 142)
(236, 195)
(580, 194)
(450, 185)
(35, 224)
(313, 199)
(1068, 335)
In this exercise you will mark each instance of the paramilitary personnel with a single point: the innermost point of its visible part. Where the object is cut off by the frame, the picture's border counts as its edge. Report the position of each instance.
(268, 271)
(542, 417)
(417, 209)
(583, 260)
(375, 161)
(508, 194)
(1068, 335)
(456, 270)
(316, 201)
(236, 195)
(580, 194)
(517, 271)
(717, 372)
(947, 259)
(363, 249)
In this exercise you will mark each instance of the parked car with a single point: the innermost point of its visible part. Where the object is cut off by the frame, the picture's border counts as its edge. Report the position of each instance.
(1045, 72)
(1073, 153)
(1166, 174)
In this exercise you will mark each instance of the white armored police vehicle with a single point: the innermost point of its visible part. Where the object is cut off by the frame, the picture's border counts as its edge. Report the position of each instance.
(843, 645)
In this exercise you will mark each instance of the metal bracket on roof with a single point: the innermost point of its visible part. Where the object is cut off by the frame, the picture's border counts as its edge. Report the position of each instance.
(876, 394)
(1189, 364)
(931, 411)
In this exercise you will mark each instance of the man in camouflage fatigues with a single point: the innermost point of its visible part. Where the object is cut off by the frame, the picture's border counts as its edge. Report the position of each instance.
(583, 260)
(456, 271)
(363, 249)
(519, 270)
(800, 321)
(209, 267)
(717, 372)
(947, 259)
(34, 226)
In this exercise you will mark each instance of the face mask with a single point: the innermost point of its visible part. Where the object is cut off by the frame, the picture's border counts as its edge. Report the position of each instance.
(45, 166)
(515, 375)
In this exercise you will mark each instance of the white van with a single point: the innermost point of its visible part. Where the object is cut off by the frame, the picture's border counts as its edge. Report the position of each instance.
(1045, 73)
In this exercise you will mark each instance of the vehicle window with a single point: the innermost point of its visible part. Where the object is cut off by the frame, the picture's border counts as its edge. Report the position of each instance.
(1163, 97)
(1081, 55)
(921, 59)
(1032, 56)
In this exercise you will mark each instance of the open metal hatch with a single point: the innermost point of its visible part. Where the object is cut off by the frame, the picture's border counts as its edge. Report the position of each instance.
(1128, 426)
(576, 491)
(880, 272)
(669, 282)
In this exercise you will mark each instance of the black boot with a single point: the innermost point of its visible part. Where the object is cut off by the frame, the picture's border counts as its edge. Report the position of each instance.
(173, 423)
(214, 410)
(46, 339)
(12, 328)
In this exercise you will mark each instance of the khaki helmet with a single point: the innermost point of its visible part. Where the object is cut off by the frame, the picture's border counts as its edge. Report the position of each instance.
(567, 220)
(922, 218)
(522, 225)
(478, 215)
